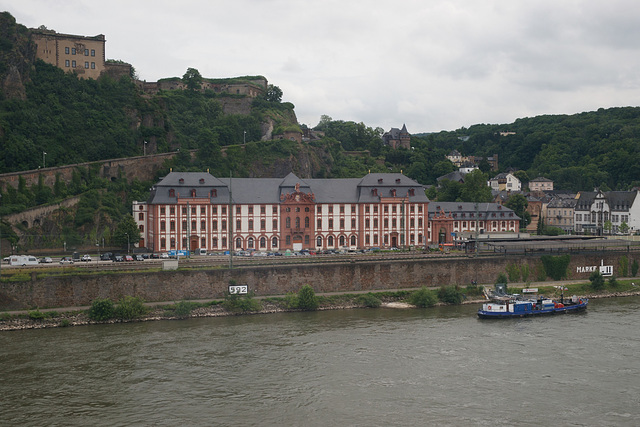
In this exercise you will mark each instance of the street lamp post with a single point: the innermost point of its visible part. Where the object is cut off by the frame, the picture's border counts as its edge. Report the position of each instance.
(244, 137)
(144, 148)
(44, 158)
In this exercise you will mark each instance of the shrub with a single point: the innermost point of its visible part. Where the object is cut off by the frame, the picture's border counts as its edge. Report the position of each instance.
(524, 270)
(502, 278)
(474, 290)
(597, 281)
(423, 298)
(634, 268)
(556, 266)
(36, 315)
(624, 266)
(369, 300)
(291, 300)
(513, 270)
(241, 303)
(613, 283)
(101, 310)
(307, 299)
(64, 323)
(184, 308)
(450, 294)
(130, 308)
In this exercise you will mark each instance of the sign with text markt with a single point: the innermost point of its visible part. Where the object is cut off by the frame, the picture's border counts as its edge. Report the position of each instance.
(605, 270)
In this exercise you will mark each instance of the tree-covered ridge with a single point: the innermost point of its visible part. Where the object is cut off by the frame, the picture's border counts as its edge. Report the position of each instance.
(578, 152)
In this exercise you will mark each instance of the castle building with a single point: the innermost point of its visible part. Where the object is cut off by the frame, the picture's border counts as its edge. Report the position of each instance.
(189, 210)
(83, 55)
(397, 138)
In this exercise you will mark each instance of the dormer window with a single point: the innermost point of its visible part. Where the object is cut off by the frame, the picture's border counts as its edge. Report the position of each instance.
(374, 192)
(181, 180)
(412, 192)
(380, 181)
(201, 181)
(393, 193)
(193, 192)
(398, 181)
(214, 193)
(172, 193)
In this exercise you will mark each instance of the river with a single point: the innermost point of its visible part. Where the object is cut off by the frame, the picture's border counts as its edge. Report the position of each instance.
(368, 367)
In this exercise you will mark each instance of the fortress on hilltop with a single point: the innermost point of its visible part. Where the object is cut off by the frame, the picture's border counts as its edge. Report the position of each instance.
(85, 56)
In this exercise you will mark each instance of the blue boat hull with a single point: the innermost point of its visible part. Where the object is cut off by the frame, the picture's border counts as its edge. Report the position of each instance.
(573, 308)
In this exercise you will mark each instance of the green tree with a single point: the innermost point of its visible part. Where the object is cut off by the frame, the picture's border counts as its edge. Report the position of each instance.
(597, 281)
(274, 94)
(307, 299)
(423, 298)
(126, 232)
(518, 204)
(624, 227)
(608, 226)
(193, 79)
(475, 188)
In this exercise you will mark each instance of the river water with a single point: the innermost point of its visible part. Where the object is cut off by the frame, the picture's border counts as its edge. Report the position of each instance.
(439, 366)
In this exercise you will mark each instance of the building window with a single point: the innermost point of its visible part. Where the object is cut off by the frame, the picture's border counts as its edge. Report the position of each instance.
(306, 222)
(288, 240)
(250, 243)
(287, 223)
(141, 216)
(330, 223)
(66, 50)
(239, 243)
(297, 222)
(319, 209)
(341, 223)
(367, 239)
(173, 243)
(184, 226)
(172, 226)
(353, 240)
(238, 210)
(319, 241)
(224, 242)
(141, 228)
(367, 223)
(238, 225)
(353, 223)
(263, 210)
(263, 242)
(375, 239)
(353, 209)
(342, 241)
(386, 223)
(163, 243)
(330, 241)
(73, 51)
(250, 210)
(73, 64)
(86, 65)
(203, 225)
(275, 224)
(193, 210)
(341, 209)
(319, 223)
(306, 240)
(224, 210)
(163, 226)
(275, 210)
(184, 210)
(203, 210)
(375, 222)
(375, 209)
(274, 242)
(193, 225)
(203, 242)
(86, 52)
(93, 52)
(263, 224)
(214, 210)
(394, 223)
(215, 242)
(214, 225)
(67, 63)
(224, 225)
(330, 209)
(419, 222)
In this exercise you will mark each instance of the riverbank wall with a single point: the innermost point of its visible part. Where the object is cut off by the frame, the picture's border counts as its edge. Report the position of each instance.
(356, 274)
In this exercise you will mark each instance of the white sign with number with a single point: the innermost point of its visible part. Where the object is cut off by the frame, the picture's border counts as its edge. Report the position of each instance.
(238, 289)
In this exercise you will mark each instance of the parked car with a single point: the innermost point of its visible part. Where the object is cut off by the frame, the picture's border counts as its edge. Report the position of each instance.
(118, 258)
(164, 255)
(139, 257)
(107, 256)
(45, 260)
(155, 256)
(128, 258)
(66, 260)
(86, 258)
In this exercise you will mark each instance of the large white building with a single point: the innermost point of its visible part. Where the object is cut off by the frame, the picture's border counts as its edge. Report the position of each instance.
(189, 210)
(596, 209)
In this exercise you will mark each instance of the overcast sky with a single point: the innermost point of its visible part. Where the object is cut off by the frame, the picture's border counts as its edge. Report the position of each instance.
(432, 64)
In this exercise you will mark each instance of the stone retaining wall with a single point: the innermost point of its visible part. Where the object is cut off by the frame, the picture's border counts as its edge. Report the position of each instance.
(81, 290)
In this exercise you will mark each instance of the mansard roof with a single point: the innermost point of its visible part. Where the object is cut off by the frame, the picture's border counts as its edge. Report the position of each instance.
(484, 210)
(269, 190)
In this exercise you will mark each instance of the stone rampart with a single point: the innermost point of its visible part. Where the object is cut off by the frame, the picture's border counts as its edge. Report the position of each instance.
(278, 280)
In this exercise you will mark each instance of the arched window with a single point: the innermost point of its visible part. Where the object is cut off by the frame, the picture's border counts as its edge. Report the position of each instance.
(353, 240)
(330, 241)
(342, 241)
(239, 243)
(319, 241)
(263, 242)
(274, 242)
(250, 243)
